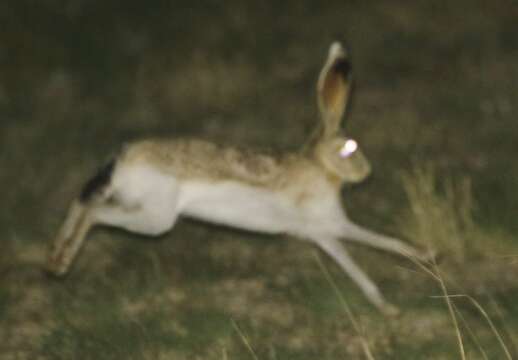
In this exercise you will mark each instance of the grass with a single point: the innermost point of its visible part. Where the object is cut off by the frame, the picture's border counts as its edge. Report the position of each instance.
(445, 223)
(356, 326)
(436, 85)
(442, 222)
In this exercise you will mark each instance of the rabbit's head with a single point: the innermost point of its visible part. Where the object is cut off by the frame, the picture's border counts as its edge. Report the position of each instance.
(340, 155)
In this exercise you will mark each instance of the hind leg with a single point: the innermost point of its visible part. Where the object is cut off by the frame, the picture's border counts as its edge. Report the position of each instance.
(146, 219)
(138, 199)
(142, 200)
(150, 216)
(79, 220)
(69, 238)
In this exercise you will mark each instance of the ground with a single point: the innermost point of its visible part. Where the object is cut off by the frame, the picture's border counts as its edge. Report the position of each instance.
(435, 110)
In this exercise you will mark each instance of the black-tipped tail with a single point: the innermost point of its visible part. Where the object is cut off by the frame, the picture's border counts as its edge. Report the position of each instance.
(98, 182)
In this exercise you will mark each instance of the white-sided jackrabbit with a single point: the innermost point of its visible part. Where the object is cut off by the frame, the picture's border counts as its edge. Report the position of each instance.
(153, 182)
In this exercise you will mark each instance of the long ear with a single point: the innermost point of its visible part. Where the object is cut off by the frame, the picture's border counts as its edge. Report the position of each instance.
(334, 88)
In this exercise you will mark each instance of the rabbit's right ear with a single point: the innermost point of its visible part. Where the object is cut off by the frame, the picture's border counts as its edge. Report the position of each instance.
(333, 88)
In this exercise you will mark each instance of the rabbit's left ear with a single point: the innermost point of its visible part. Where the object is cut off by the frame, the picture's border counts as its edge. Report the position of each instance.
(334, 88)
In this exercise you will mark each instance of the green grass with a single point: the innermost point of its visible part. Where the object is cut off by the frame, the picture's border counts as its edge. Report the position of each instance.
(108, 334)
(437, 86)
(4, 302)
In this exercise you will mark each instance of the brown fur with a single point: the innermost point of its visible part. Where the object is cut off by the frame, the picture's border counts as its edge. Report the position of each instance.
(191, 159)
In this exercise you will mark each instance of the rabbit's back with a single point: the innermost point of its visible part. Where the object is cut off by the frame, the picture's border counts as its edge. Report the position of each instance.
(195, 159)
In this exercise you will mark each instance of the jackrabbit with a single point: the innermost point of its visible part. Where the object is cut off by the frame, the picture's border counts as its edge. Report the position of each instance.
(152, 182)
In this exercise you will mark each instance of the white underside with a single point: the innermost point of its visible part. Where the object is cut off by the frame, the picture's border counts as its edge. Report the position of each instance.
(238, 205)
(150, 203)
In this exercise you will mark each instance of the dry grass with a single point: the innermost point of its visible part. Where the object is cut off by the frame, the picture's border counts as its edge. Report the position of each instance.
(440, 218)
(440, 215)
(366, 348)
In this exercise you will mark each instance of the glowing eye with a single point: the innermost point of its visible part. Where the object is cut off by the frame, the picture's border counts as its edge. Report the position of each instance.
(349, 147)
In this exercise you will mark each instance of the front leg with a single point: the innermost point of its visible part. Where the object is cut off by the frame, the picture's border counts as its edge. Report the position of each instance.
(364, 236)
(335, 250)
